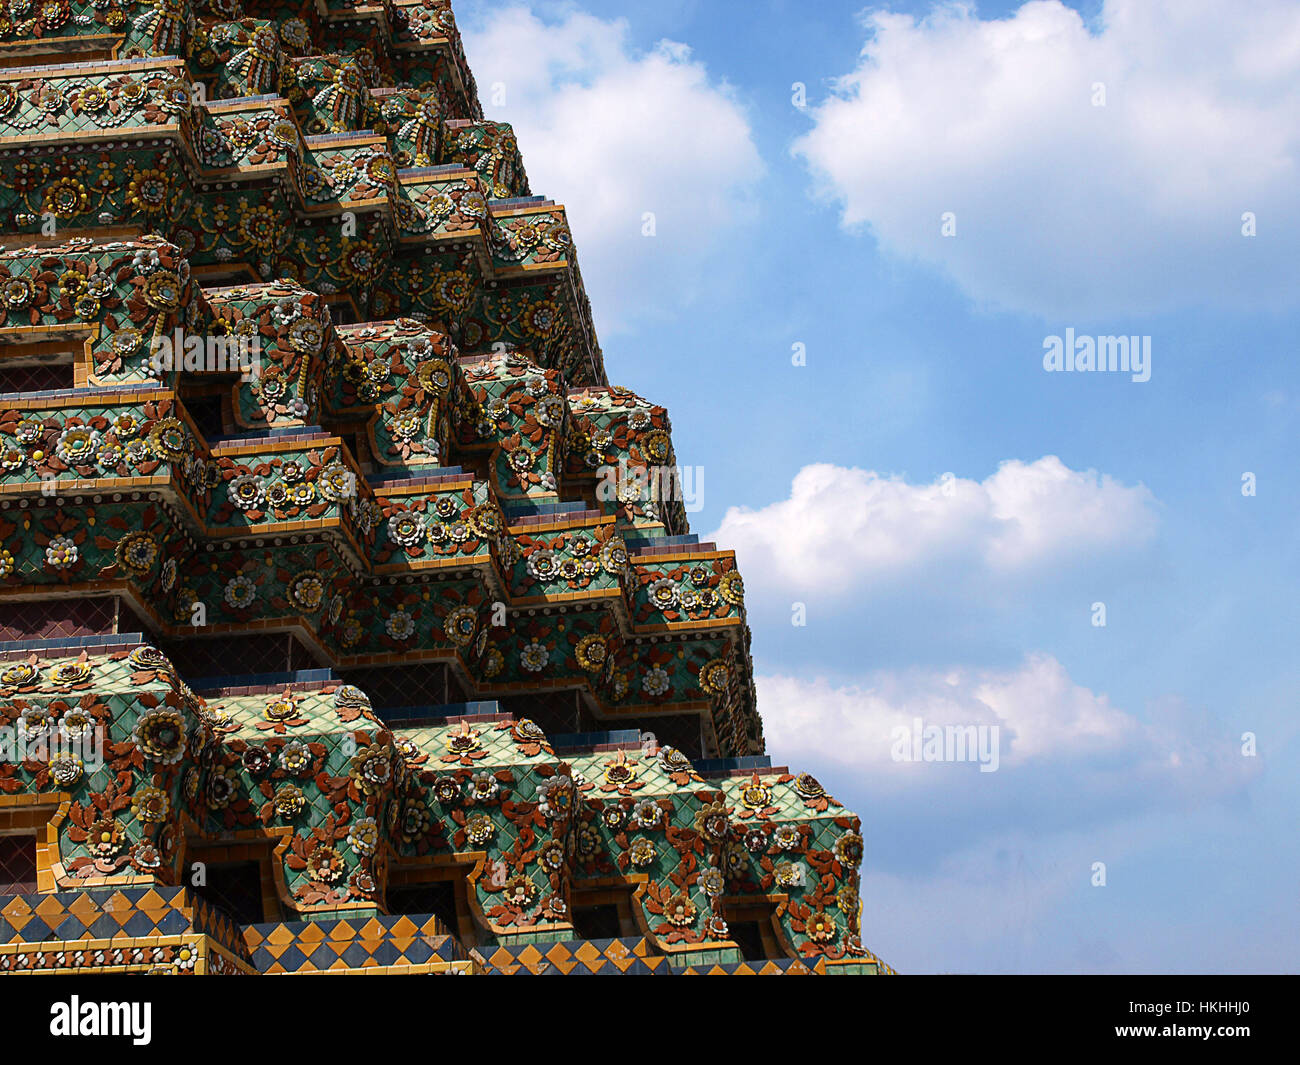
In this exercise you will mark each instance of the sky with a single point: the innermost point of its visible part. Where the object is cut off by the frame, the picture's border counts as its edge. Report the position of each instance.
(866, 225)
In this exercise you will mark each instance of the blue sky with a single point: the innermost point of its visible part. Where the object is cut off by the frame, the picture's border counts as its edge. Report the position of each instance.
(967, 599)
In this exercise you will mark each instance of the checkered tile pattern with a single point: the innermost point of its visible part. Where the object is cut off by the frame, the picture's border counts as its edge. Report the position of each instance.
(581, 957)
(124, 913)
(357, 944)
(771, 967)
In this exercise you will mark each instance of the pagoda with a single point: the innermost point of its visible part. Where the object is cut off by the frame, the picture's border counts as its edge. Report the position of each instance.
(350, 620)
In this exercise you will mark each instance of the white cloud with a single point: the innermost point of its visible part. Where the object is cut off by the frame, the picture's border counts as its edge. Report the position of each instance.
(1062, 207)
(1000, 854)
(1039, 711)
(1063, 737)
(845, 529)
(612, 132)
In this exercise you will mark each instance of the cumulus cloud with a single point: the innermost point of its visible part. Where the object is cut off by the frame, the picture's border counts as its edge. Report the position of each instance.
(843, 530)
(613, 133)
(1061, 739)
(1039, 711)
(1077, 777)
(1063, 207)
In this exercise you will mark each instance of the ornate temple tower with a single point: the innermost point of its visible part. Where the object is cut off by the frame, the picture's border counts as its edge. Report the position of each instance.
(350, 617)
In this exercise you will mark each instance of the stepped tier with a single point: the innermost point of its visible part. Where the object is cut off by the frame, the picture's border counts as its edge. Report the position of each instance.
(113, 489)
(514, 837)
